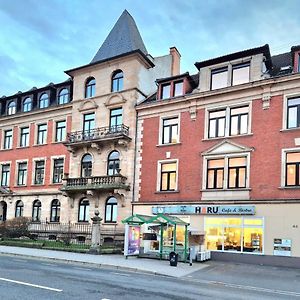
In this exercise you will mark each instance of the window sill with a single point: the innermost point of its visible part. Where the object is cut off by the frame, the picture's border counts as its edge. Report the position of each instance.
(289, 188)
(227, 137)
(169, 144)
(38, 184)
(289, 129)
(167, 192)
(22, 147)
(225, 190)
(20, 186)
(37, 145)
(55, 184)
(6, 149)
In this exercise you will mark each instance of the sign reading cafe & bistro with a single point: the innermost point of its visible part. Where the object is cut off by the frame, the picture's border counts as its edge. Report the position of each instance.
(204, 210)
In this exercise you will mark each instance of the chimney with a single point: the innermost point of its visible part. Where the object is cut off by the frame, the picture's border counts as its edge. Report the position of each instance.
(175, 68)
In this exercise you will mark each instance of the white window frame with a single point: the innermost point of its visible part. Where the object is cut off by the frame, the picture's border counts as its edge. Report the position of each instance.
(17, 172)
(34, 160)
(5, 163)
(54, 130)
(158, 181)
(3, 138)
(285, 110)
(19, 131)
(227, 119)
(52, 166)
(161, 122)
(283, 166)
(226, 165)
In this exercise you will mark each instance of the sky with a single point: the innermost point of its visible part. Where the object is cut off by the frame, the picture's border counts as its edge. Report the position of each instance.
(40, 39)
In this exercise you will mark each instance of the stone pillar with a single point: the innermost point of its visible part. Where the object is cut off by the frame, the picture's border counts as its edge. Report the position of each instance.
(96, 234)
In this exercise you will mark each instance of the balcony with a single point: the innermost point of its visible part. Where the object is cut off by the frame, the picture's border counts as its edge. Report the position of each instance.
(98, 136)
(95, 183)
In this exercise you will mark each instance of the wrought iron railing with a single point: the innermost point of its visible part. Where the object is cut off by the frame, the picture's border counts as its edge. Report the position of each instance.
(97, 133)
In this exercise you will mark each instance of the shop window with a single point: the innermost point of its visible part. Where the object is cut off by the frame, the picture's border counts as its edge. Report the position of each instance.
(217, 123)
(36, 211)
(86, 165)
(170, 130)
(292, 169)
(168, 176)
(242, 234)
(44, 100)
(8, 134)
(293, 112)
(90, 87)
(63, 96)
(219, 78)
(55, 211)
(240, 73)
(11, 108)
(111, 210)
(84, 211)
(19, 209)
(113, 163)
(117, 81)
(27, 104)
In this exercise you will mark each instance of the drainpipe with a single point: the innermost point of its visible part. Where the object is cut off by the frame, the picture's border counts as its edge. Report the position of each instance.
(134, 162)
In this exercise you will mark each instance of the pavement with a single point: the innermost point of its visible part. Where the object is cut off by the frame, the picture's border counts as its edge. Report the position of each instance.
(132, 263)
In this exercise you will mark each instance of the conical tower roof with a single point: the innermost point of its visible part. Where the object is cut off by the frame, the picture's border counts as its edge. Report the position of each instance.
(123, 38)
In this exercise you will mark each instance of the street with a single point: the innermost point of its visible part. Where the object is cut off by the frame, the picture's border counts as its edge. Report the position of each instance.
(24, 278)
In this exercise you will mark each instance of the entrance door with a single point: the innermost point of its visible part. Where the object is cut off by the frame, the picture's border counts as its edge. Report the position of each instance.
(3, 210)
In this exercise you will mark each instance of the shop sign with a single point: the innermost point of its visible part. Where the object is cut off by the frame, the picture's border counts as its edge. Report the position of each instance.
(132, 240)
(204, 210)
(282, 247)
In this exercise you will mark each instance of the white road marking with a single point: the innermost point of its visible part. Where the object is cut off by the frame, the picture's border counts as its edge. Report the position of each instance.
(122, 274)
(51, 265)
(32, 285)
(105, 299)
(247, 287)
(82, 269)
(20, 260)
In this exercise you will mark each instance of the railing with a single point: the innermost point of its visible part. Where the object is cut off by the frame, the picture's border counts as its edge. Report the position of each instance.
(95, 181)
(97, 133)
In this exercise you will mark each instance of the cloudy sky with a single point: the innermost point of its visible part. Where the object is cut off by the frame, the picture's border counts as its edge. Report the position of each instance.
(40, 39)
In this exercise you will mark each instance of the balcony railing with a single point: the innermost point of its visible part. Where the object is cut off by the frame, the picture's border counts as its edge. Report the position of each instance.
(97, 134)
(95, 183)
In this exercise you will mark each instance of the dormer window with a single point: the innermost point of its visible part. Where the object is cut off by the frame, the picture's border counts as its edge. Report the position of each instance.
(11, 108)
(178, 88)
(240, 73)
(166, 91)
(63, 96)
(44, 101)
(117, 81)
(90, 87)
(27, 104)
(219, 78)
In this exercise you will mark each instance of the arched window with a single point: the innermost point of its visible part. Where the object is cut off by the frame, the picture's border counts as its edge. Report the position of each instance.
(117, 81)
(44, 101)
(90, 87)
(19, 209)
(111, 210)
(11, 108)
(63, 96)
(86, 165)
(36, 211)
(55, 211)
(113, 164)
(84, 210)
(27, 104)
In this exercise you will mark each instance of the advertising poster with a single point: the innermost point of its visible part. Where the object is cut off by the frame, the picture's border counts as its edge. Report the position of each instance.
(283, 247)
(132, 240)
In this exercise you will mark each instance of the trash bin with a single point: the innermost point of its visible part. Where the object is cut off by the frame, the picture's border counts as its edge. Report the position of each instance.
(173, 258)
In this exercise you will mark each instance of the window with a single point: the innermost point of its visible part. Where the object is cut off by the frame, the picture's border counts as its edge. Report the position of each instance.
(215, 174)
(39, 172)
(19, 209)
(237, 172)
(217, 123)
(11, 108)
(84, 210)
(63, 96)
(8, 139)
(42, 134)
(5, 174)
(44, 101)
(111, 210)
(227, 172)
(293, 114)
(24, 137)
(219, 78)
(117, 81)
(170, 131)
(237, 234)
(240, 73)
(22, 173)
(88, 122)
(116, 119)
(168, 180)
(86, 166)
(36, 211)
(90, 88)
(292, 169)
(299, 62)
(58, 170)
(239, 120)
(113, 165)
(165, 91)
(178, 88)
(27, 104)
(55, 211)
(60, 131)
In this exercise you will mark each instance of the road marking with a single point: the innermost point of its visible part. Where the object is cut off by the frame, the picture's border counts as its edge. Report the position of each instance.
(20, 260)
(122, 274)
(82, 269)
(51, 265)
(247, 287)
(32, 285)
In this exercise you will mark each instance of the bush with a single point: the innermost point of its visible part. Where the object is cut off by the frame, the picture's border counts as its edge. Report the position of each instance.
(15, 228)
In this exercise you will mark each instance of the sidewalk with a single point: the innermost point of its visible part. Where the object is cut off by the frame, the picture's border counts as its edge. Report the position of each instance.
(135, 264)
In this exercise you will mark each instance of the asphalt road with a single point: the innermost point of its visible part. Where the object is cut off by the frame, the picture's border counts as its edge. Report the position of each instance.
(22, 278)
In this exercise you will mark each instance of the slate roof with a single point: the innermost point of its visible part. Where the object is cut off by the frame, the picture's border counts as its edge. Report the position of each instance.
(123, 38)
(281, 61)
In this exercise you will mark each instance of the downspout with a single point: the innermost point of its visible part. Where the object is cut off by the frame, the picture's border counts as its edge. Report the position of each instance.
(134, 161)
